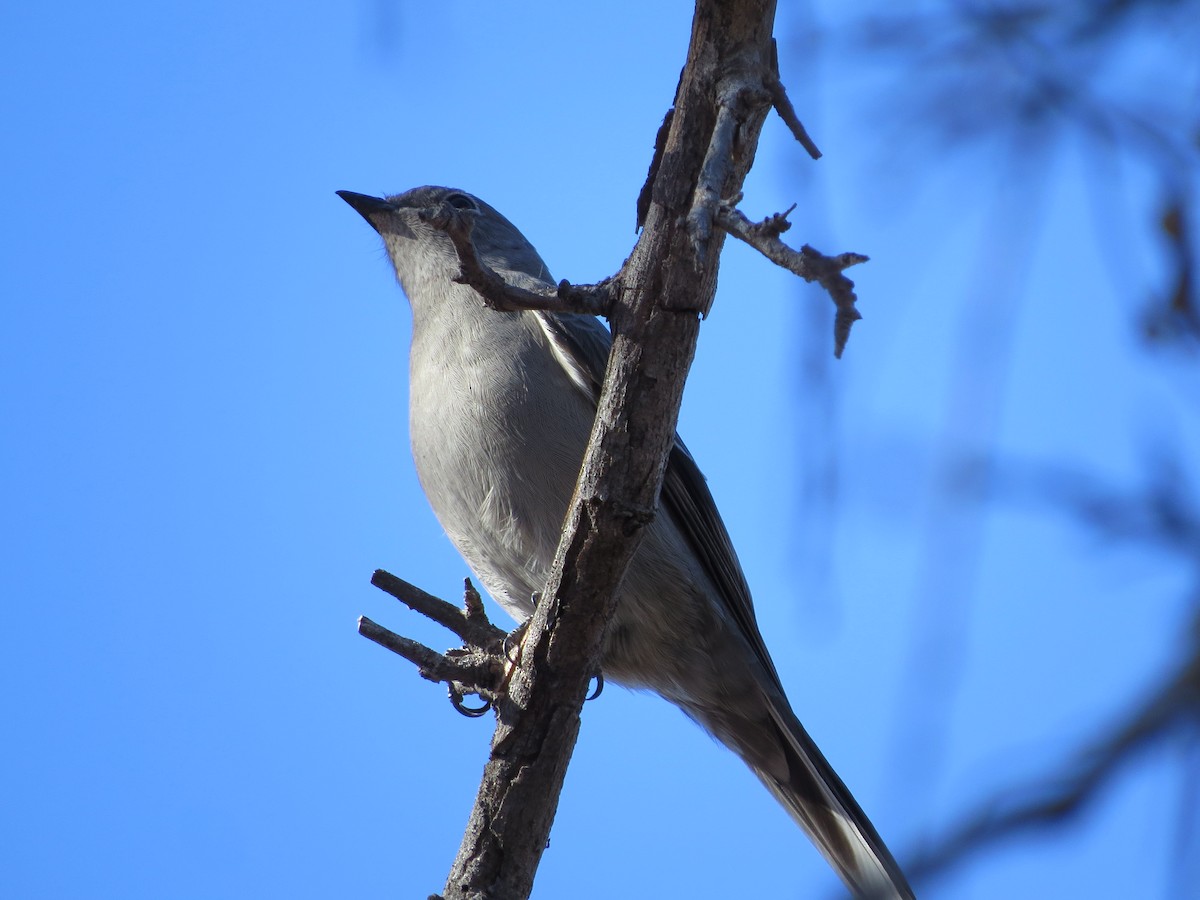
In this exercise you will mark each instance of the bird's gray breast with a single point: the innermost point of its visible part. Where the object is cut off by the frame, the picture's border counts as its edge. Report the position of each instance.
(498, 435)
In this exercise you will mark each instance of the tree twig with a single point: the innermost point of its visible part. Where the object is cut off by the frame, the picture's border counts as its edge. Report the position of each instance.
(498, 294)
(470, 622)
(479, 667)
(468, 672)
(809, 264)
(783, 106)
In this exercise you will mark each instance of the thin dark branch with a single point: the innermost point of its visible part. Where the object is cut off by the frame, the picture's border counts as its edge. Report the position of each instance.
(1175, 706)
(471, 624)
(783, 106)
(809, 264)
(498, 294)
(466, 672)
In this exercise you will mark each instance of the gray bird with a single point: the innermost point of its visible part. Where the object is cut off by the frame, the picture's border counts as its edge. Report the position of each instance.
(500, 412)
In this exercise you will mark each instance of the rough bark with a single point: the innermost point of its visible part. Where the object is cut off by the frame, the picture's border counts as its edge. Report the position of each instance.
(537, 680)
(660, 294)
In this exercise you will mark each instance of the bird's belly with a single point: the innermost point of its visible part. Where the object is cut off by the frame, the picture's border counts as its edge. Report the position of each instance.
(498, 467)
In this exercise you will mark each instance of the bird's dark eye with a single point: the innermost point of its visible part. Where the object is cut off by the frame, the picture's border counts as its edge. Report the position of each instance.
(462, 201)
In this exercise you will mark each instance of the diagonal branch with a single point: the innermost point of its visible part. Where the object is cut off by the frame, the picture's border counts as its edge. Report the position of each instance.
(703, 153)
(500, 295)
(469, 673)
(733, 102)
(809, 264)
(478, 668)
(653, 316)
(1174, 706)
(470, 623)
(783, 106)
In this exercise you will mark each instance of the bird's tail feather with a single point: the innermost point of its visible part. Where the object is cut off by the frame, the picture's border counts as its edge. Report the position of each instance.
(817, 799)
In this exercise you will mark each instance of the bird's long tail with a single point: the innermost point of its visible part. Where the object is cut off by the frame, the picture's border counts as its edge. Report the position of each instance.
(757, 723)
(817, 799)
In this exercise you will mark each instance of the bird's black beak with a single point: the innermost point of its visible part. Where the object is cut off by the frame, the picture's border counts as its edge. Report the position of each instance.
(367, 206)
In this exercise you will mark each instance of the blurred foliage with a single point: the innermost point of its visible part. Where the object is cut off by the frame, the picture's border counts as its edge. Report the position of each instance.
(1120, 81)
(1041, 73)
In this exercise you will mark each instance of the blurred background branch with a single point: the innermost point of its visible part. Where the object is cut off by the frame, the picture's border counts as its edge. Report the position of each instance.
(1016, 93)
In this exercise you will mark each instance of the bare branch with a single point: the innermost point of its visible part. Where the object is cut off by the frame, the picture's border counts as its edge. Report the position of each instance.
(618, 487)
(783, 106)
(468, 672)
(480, 667)
(498, 294)
(703, 153)
(471, 623)
(809, 264)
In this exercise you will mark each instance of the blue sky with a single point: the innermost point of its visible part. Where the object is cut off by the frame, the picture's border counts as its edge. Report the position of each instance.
(205, 401)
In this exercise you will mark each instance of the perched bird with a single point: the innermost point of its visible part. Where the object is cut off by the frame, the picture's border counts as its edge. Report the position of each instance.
(501, 408)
